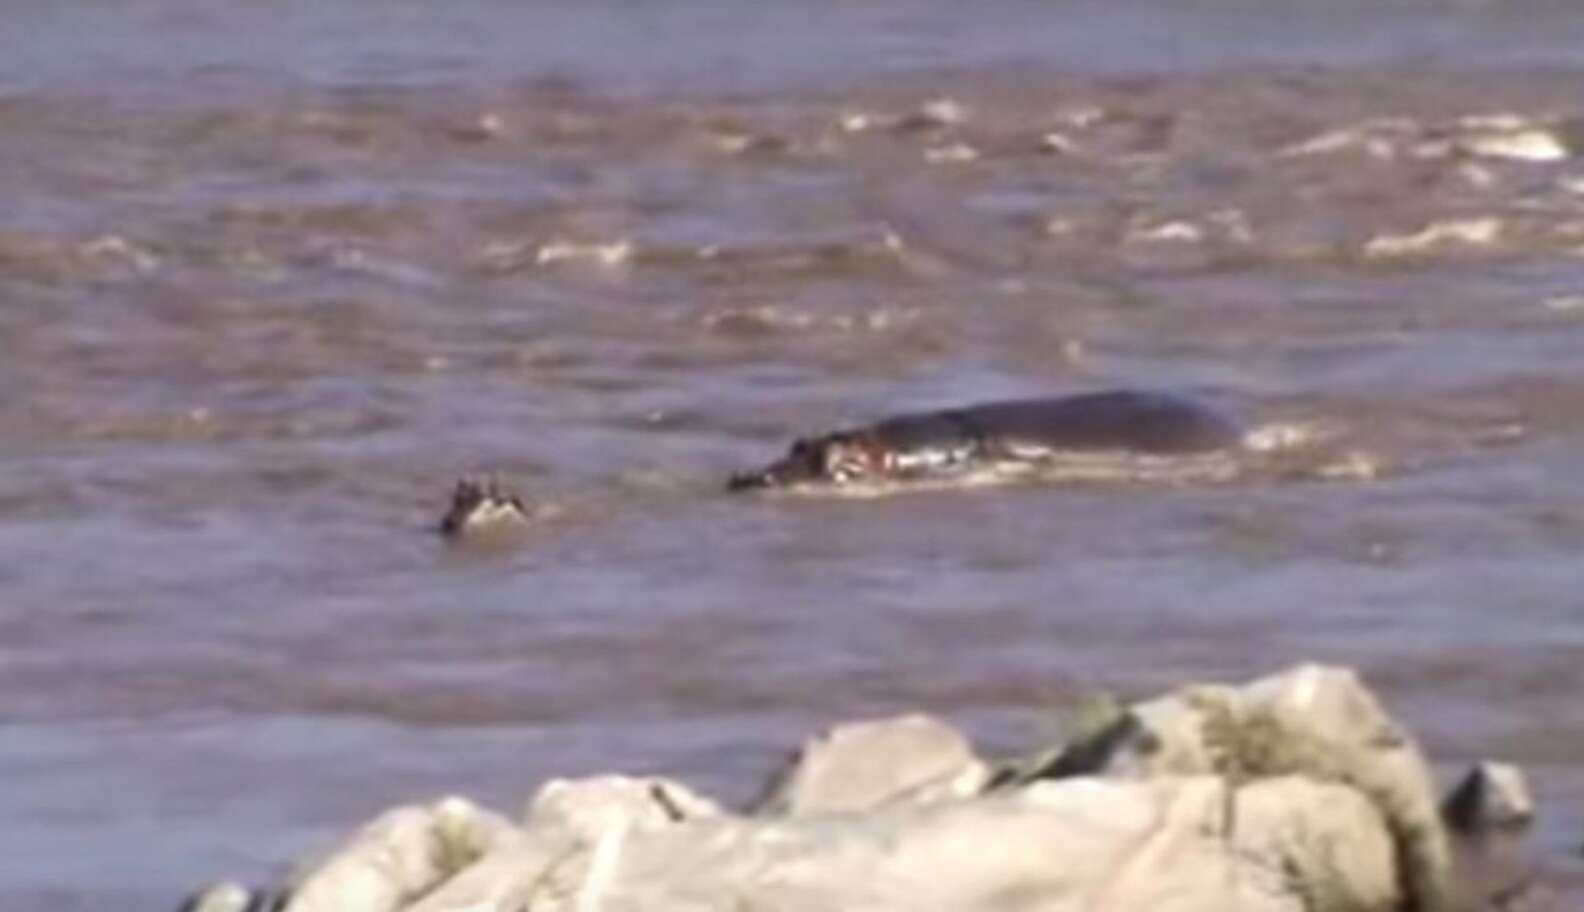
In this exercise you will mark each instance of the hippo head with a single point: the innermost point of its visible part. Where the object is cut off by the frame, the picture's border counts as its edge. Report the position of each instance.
(832, 459)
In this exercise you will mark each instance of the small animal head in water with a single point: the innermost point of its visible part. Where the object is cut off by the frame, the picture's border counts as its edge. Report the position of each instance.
(833, 459)
(479, 507)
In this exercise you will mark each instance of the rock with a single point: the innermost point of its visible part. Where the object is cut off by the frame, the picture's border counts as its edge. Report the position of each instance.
(1178, 844)
(863, 765)
(228, 897)
(1496, 869)
(402, 855)
(1078, 844)
(587, 807)
(1294, 793)
(566, 822)
(1492, 796)
(1313, 721)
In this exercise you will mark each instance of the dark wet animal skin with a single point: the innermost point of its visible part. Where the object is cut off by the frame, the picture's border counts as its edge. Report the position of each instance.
(933, 444)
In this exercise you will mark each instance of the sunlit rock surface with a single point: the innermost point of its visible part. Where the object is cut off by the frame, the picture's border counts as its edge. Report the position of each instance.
(1293, 792)
(863, 765)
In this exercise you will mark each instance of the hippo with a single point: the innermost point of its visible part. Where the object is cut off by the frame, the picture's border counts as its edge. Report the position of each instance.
(1021, 432)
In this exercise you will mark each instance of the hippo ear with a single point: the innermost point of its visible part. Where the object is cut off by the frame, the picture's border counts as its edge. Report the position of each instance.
(844, 459)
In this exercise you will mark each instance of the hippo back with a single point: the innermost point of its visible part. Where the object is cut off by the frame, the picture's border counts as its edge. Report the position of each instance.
(1126, 420)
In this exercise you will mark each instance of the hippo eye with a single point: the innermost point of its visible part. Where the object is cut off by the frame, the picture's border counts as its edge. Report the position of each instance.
(804, 454)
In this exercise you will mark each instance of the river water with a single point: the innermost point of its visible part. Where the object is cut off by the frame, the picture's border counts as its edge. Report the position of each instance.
(273, 275)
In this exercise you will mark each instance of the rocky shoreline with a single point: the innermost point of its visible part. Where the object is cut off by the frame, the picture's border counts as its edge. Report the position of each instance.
(1292, 792)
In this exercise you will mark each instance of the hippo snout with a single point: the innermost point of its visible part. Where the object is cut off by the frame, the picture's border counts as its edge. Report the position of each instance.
(749, 481)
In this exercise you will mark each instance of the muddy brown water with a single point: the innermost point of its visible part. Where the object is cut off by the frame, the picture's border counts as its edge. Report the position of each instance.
(272, 276)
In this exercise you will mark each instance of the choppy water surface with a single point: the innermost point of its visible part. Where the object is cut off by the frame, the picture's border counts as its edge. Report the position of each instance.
(262, 301)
